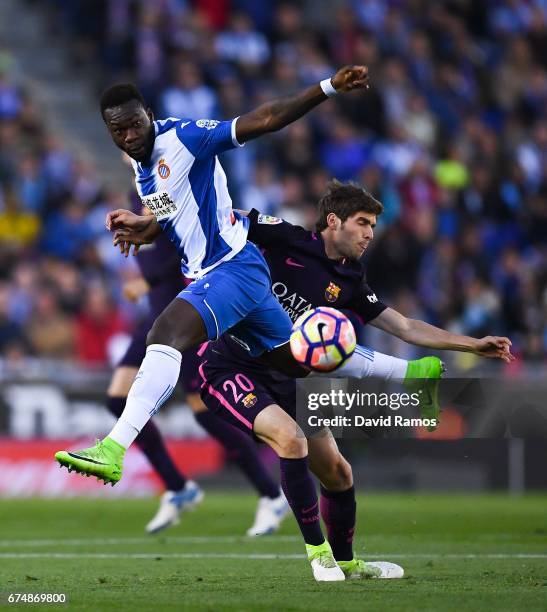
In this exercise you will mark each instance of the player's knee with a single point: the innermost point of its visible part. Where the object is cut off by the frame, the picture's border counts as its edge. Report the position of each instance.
(339, 476)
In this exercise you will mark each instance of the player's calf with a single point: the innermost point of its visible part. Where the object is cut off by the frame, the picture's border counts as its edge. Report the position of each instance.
(337, 476)
(328, 463)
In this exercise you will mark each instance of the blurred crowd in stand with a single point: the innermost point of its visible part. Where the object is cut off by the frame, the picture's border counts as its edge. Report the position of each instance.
(451, 137)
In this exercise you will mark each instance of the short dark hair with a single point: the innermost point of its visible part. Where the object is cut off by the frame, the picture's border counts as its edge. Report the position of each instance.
(120, 94)
(344, 200)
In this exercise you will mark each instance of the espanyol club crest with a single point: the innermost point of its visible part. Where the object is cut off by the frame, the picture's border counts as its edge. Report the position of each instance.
(163, 169)
(332, 292)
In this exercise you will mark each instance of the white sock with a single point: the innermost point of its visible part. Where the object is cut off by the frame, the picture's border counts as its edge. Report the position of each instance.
(365, 363)
(387, 367)
(152, 387)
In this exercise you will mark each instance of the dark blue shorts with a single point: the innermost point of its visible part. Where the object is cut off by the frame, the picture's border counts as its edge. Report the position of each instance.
(237, 296)
(238, 394)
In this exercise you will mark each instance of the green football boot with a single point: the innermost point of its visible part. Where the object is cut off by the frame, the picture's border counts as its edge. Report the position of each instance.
(104, 460)
(423, 377)
(357, 569)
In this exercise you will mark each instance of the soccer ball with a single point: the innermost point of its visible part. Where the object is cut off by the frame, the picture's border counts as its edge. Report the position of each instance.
(322, 339)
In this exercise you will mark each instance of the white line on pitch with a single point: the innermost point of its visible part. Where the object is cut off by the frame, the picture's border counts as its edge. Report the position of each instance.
(147, 540)
(53, 555)
(213, 555)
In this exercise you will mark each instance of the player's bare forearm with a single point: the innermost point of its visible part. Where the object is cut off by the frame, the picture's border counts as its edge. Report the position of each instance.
(424, 334)
(275, 115)
(421, 333)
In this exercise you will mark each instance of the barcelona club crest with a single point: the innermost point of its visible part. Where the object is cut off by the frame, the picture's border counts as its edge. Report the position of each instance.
(332, 292)
(249, 400)
(163, 169)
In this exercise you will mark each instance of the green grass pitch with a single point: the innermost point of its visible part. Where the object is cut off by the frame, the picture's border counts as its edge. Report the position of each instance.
(460, 552)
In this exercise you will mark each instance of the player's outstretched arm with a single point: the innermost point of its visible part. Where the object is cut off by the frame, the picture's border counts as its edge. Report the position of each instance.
(275, 115)
(421, 333)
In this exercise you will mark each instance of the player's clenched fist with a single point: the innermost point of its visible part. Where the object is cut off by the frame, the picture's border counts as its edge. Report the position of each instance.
(349, 78)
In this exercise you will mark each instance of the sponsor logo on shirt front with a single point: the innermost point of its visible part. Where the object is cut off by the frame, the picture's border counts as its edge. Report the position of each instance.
(163, 169)
(268, 220)
(160, 204)
(293, 304)
(332, 292)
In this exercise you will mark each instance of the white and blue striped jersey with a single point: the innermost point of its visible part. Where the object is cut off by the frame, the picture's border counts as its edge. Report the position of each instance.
(184, 186)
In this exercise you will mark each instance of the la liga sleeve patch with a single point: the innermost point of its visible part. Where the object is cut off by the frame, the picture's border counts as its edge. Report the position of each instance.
(268, 220)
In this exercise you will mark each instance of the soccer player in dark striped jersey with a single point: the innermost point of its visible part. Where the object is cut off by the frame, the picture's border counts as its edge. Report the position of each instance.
(311, 269)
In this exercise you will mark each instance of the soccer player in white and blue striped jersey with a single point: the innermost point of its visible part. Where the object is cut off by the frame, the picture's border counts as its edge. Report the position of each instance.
(181, 181)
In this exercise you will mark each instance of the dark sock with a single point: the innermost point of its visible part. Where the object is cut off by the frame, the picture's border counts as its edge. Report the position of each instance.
(338, 514)
(299, 489)
(242, 449)
(151, 443)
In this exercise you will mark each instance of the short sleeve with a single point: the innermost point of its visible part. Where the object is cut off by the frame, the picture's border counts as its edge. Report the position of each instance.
(208, 137)
(365, 303)
(268, 231)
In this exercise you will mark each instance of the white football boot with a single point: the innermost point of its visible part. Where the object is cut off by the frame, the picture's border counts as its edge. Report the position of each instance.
(173, 503)
(269, 514)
